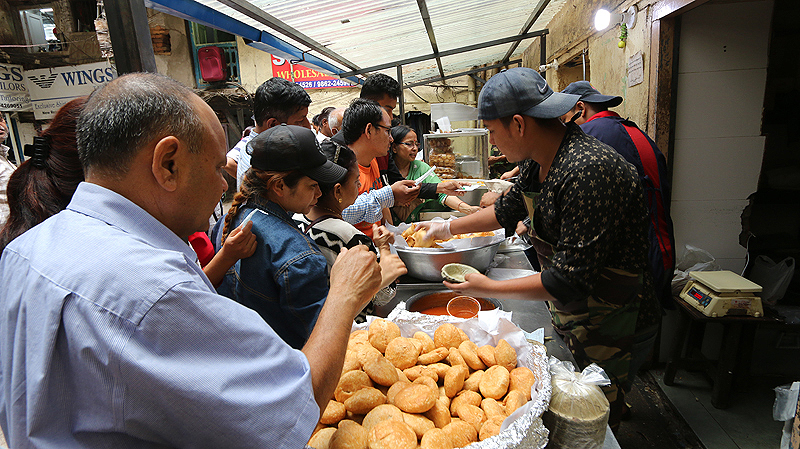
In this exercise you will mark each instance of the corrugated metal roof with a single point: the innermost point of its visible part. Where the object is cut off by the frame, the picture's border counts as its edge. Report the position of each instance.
(374, 32)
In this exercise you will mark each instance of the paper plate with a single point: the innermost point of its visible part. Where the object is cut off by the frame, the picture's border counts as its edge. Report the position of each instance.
(455, 272)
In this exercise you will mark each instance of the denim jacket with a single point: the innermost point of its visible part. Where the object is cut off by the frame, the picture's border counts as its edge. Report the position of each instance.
(285, 280)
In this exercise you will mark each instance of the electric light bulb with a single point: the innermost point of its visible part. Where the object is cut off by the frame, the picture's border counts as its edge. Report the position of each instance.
(602, 19)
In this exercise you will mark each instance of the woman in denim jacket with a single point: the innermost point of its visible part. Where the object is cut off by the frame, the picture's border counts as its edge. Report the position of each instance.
(285, 280)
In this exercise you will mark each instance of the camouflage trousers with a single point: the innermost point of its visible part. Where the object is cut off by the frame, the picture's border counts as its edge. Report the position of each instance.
(602, 331)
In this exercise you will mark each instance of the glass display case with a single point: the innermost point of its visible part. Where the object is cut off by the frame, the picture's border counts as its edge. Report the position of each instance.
(462, 154)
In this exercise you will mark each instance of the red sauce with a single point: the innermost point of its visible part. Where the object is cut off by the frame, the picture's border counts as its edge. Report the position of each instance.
(439, 310)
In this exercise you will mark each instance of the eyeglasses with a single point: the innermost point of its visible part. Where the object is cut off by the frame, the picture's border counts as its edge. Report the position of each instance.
(410, 144)
(387, 128)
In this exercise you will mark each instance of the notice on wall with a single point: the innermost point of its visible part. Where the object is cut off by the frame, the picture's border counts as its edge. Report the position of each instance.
(305, 77)
(52, 88)
(14, 95)
(635, 69)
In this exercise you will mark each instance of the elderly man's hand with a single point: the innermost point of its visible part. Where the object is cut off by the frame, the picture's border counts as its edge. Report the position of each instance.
(404, 191)
(489, 198)
(355, 278)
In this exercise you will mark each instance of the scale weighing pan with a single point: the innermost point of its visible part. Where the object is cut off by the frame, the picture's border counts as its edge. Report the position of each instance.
(722, 293)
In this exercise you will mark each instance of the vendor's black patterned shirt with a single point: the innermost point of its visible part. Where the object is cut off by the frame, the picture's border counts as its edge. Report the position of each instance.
(591, 209)
(510, 208)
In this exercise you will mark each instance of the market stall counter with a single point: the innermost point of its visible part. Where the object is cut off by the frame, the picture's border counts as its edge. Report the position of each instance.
(527, 315)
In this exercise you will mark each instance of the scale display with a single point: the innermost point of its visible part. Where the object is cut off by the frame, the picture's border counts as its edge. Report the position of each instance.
(722, 293)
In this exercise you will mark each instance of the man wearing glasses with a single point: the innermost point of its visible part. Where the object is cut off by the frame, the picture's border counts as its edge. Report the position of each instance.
(365, 130)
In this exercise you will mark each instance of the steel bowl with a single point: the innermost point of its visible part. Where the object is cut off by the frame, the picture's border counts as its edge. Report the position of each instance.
(426, 264)
(438, 298)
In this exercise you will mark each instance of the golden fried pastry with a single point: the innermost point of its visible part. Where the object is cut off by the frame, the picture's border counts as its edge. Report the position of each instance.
(514, 400)
(418, 422)
(472, 414)
(469, 351)
(349, 383)
(351, 362)
(401, 375)
(383, 412)
(322, 439)
(455, 358)
(417, 343)
(359, 335)
(446, 336)
(392, 434)
(494, 383)
(486, 354)
(427, 341)
(363, 350)
(464, 397)
(462, 334)
(350, 435)
(434, 356)
(364, 400)
(505, 355)
(440, 368)
(416, 398)
(493, 408)
(379, 369)
(425, 380)
(334, 412)
(490, 428)
(443, 397)
(435, 439)
(394, 389)
(402, 353)
(439, 414)
(381, 332)
(454, 379)
(522, 379)
(473, 382)
(416, 371)
(461, 433)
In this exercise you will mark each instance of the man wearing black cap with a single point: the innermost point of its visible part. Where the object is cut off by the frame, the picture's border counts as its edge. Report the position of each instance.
(637, 148)
(589, 226)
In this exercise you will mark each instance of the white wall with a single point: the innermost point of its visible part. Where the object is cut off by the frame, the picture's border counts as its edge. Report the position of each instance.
(722, 71)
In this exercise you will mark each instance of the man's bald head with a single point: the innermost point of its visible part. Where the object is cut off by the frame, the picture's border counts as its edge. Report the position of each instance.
(130, 112)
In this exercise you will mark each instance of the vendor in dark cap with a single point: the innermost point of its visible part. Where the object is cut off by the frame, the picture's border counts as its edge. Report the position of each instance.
(592, 114)
(589, 225)
(285, 280)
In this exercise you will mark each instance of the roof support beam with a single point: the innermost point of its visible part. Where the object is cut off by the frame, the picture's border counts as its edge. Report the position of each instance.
(528, 24)
(255, 13)
(426, 19)
(130, 36)
(468, 72)
(454, 51)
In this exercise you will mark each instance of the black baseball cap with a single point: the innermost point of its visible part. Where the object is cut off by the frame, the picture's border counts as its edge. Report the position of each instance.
(285, 148)
(521, 90)
(591, 95)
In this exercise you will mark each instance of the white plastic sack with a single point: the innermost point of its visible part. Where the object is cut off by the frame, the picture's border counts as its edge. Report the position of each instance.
(774, 278)
(785, 408)
(692, 259)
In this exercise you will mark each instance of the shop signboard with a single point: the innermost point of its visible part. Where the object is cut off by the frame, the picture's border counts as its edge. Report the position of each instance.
(305, 77)
(14, 94)
(51, 88)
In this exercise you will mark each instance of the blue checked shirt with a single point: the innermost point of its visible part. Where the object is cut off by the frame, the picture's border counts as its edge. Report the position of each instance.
(111, 336)
(368, 206)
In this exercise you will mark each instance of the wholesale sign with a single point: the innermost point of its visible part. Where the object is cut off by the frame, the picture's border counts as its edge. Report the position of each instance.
(14, 94)
(52, 88)
(305, 77)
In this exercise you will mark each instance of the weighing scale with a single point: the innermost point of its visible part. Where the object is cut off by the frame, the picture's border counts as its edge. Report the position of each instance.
(722, 293)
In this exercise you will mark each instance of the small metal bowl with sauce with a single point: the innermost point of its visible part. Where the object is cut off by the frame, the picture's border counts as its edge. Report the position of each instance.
(435, 302)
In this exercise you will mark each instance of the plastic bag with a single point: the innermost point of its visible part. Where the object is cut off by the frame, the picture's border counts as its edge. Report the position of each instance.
(785, 408)
(692, 259)
(774, 278)
(578, 413)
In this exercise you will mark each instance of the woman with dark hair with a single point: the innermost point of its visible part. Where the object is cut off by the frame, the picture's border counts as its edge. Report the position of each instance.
(404, 149)
(286, 279)
(43, 186)
(324, 224)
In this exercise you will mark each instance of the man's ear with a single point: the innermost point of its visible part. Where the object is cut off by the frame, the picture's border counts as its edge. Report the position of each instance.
(279, 188)
(164, 167)
(518, 124)
(272, 121)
